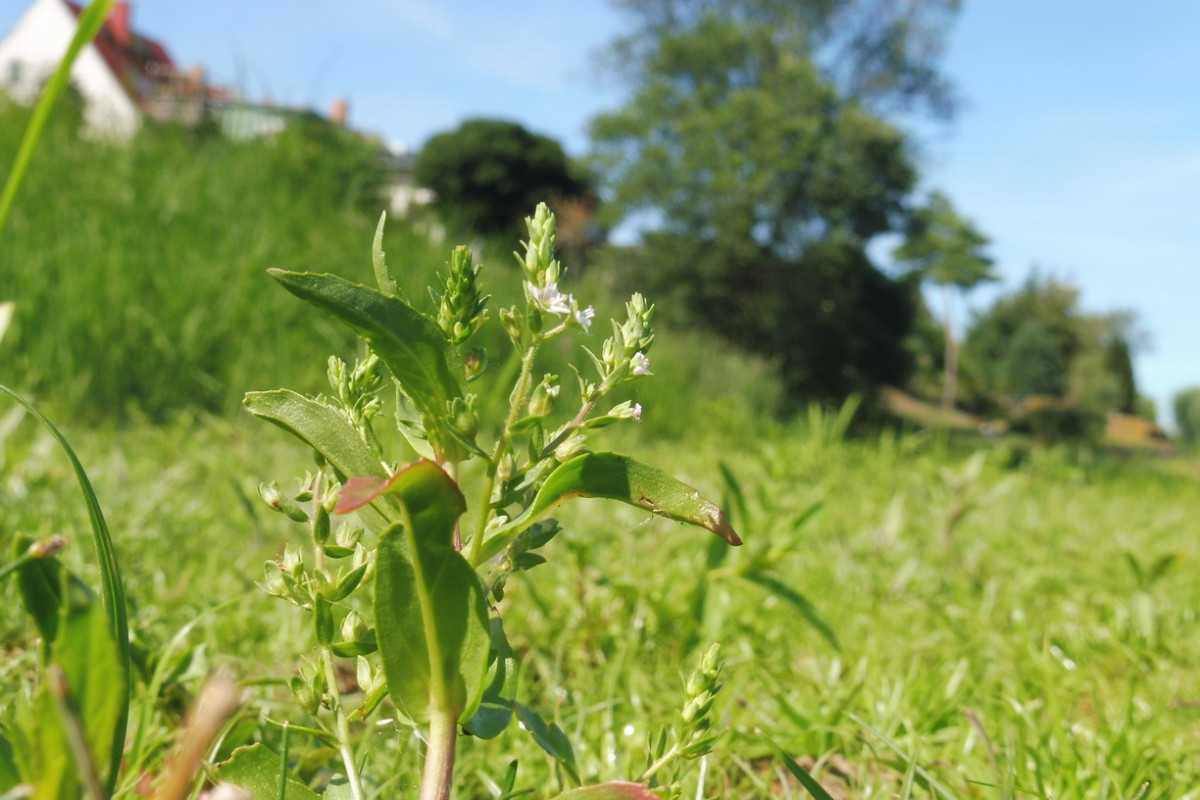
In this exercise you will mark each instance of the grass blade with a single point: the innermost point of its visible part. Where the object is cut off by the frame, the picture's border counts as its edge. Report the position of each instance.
(799, 773)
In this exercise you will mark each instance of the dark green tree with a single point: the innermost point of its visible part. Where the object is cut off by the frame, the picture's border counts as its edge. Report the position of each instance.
(765, 185)
(489, 173)
(947, 250)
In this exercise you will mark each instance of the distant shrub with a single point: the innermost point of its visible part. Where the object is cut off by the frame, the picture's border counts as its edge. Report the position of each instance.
(488, 173)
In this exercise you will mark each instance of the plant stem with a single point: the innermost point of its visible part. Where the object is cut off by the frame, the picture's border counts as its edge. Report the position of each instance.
(439, 757)
(341, 726)
(667, 758)
(502, 444)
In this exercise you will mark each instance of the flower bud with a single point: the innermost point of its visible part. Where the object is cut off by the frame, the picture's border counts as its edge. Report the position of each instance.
(308, 699)
(323, 620)
(293, 560)
(278, 501)
(511, 323)
(462, 418)
(475, 363)
(363, 673)
(320, 529)
(274, 582)
(541, 402)
(571, 447)
(355, 628)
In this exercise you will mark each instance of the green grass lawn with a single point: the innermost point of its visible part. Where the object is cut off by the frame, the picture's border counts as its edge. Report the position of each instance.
(902, 620)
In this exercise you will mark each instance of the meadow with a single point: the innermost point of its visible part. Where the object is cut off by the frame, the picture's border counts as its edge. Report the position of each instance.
(912, 615)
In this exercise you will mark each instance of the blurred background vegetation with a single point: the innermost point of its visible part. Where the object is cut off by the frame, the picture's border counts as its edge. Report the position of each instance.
(768, 178)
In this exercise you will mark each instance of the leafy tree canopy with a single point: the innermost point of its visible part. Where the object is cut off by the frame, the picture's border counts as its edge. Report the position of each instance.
(766, 183)
(944, 247)
(489, 173)
(883, 53)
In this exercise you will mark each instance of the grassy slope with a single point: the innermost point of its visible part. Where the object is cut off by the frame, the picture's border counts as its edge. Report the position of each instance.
(1018, 650)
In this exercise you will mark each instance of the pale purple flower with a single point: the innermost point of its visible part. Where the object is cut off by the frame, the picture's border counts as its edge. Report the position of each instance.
(640, 364)
(637, 412)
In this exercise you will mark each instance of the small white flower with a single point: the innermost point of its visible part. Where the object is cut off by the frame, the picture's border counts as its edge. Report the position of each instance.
(640, 364)
(585, 317)
(550, 299)
(637, 412)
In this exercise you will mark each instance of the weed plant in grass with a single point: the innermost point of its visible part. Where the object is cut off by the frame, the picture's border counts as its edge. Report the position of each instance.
(1046, 644)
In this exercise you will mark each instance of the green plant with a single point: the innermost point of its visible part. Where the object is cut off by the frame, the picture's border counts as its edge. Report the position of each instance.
(441, 536)
(72, 726)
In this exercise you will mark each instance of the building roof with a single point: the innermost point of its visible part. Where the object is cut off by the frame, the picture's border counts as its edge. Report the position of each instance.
(140, 63)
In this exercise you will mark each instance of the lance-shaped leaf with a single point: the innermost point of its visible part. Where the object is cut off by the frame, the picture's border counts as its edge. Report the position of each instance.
(616, 477)
(327, 432)
(430, 615)
(410, 343)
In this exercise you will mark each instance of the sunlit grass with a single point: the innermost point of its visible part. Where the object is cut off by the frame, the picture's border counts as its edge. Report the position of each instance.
(1023, 650)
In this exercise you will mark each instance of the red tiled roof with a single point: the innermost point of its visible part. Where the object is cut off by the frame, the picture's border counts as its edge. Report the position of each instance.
(139, 65)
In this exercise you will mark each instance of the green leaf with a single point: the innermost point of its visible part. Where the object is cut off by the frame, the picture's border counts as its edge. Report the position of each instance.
(39, 583)
(430, 614)
(90, 664)
(616, 477)
(800, 774)
(796, 601)
(550, 738)
(255, 769)
(9, 775)
(495, 710)
(617, 790)
(327, 432)
(410, 343)
(379, 262)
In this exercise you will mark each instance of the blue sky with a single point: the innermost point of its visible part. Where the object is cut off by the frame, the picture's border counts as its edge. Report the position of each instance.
(1077, 148)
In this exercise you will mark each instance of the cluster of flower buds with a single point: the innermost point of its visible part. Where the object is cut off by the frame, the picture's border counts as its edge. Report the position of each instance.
(543, 273)
(357, 388)
(702, 690)
(462, 308)
(624, 353)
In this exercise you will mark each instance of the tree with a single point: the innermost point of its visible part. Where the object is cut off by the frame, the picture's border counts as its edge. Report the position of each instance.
(767, 184)
(947, 250)
(884, 54)
(1036, 341)
(489, 173)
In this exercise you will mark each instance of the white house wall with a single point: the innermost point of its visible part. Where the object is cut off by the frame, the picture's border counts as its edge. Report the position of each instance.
(31, 51)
